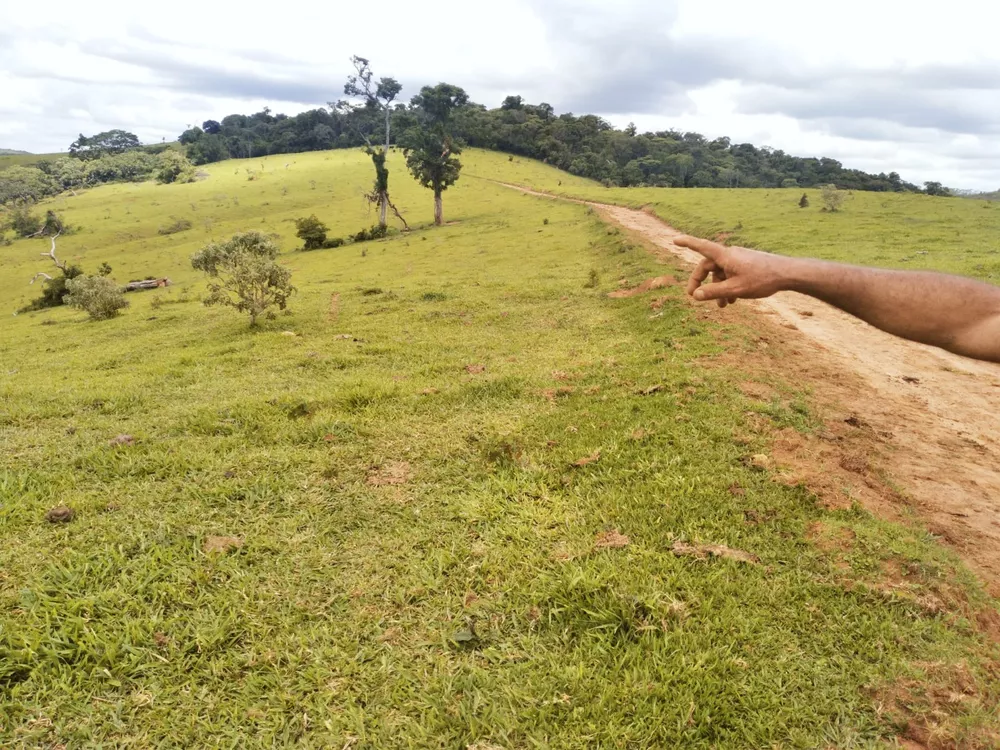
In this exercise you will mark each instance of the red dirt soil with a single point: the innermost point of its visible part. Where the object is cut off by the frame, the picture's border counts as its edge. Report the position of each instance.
(899, 415)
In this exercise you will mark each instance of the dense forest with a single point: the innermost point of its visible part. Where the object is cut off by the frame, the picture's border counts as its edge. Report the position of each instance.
(584, 145)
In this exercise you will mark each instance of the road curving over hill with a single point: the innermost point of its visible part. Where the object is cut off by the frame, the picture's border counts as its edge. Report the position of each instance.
(910, 430)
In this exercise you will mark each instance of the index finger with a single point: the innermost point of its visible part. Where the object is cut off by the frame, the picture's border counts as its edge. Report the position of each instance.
(711, 250)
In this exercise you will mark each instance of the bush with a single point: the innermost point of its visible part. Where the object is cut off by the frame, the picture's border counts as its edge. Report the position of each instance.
(100, 297)
(179, 225)
(375, 233)
(804, 201)
(334, 242)
(248, 278)
(174, 167)
(832, 198)
(312, 232)
(53, 290)
(22, 221)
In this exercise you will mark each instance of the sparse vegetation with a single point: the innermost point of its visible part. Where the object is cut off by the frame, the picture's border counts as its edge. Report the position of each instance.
(466, 520)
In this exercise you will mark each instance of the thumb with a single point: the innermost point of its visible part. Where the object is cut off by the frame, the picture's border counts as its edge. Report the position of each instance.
(719, 290)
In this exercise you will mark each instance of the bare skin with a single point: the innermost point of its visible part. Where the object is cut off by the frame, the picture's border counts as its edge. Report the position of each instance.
(950, 312)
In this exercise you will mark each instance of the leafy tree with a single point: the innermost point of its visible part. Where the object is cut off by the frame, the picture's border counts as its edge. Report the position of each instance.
(25, 184)
(377, 98)
(100, 297)
(431, 150)
(70, 173)
(20, 219)
(936, 188)
(312, 232)
(246, 276)
(207, 149)
(174, 167)
(586, 145)
(832, 197)
(190, 135)
(211, 127)
(102, 144)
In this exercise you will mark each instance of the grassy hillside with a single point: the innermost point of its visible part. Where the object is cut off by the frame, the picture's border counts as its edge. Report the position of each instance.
(895, 230)
(7, 160)
(443, 513)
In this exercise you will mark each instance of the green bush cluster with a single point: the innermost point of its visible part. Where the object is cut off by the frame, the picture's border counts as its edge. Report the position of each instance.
(33, 183)
(98, 296)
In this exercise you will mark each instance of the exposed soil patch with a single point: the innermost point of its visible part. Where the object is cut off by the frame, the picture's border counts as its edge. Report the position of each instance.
(395, 472)
(222, 544)
(918, 418)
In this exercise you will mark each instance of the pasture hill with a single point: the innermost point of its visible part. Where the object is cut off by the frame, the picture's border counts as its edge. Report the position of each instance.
(456, 495)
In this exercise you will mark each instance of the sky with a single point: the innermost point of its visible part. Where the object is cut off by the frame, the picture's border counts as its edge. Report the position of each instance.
(881, 85)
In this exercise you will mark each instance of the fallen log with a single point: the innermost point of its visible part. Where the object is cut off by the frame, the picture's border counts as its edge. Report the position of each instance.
(134, 286)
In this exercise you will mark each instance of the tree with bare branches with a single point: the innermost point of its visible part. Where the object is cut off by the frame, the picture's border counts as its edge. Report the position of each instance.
(377, 98)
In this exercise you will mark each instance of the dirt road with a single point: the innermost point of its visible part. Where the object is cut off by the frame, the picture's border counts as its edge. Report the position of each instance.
(897, 413)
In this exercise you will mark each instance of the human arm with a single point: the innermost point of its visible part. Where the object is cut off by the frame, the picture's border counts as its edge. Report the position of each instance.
(950, 312)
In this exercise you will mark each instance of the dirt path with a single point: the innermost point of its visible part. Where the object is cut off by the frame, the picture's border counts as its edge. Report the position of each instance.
(925, 419)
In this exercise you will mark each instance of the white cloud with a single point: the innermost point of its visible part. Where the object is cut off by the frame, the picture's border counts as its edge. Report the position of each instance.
(881, 85)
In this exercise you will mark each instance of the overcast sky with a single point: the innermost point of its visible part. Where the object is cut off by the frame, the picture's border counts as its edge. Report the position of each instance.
(881, 85)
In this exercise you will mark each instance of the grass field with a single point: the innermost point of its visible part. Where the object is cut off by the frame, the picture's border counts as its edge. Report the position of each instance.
(895, 230)
(444, 512)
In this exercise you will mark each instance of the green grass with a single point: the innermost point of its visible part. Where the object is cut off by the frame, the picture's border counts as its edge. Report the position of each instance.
(893, 230)
(469, 602)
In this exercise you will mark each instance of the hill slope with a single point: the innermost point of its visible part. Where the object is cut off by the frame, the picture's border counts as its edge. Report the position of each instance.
(467, 502)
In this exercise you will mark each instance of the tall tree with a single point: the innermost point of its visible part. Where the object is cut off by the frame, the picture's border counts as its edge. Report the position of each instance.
(102, 144)
(377, 98)
(431, 149)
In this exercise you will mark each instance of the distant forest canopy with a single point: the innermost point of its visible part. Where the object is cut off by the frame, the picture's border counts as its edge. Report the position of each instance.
(584, 145)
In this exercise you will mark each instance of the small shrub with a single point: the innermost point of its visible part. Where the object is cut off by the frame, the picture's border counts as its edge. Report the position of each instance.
(247, 277)
(334, 242)
(545, 222)
(433, 297)
(804, 201)
(98, 296)
(104, 270)
(374, 233)
(832, 198)
(312, 232)
(179, 225)
(593, 279)
(371, 292)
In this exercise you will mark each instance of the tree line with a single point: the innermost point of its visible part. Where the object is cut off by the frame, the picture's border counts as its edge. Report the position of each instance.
(584, 145)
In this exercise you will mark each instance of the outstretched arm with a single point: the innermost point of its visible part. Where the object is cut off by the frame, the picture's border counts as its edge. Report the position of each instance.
(950, 312)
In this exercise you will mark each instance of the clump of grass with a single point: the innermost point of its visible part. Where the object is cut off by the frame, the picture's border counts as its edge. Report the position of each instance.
(175, 226)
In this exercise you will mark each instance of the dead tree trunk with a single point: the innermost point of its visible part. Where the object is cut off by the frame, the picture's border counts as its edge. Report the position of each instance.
(61, 265)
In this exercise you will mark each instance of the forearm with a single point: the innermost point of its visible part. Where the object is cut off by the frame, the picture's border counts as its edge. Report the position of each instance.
(951, 312)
